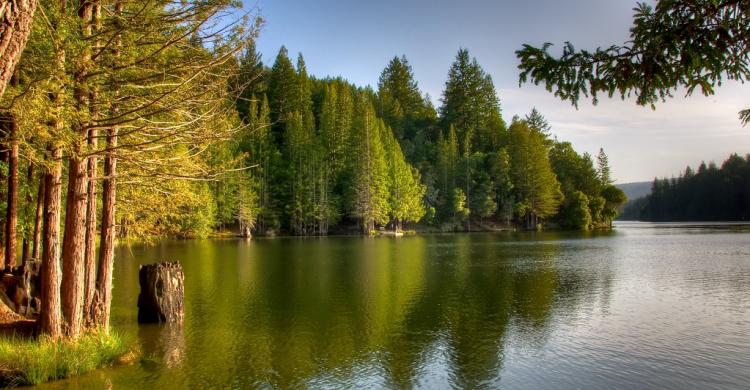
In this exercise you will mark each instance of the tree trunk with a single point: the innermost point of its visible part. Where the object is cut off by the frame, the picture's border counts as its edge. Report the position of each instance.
(90, 252)
(15, 28)
(29, 202)
(38, 220)
(103, 294)
(12, 211)
(49, 319)
(74, 240)
(73, 247)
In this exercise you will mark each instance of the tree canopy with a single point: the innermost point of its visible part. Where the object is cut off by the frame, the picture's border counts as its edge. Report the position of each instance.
(691, 44)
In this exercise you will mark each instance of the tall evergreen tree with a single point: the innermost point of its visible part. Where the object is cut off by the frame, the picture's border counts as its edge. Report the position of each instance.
(537, 189)
(370, 190)
(470, 103)
(602, 162)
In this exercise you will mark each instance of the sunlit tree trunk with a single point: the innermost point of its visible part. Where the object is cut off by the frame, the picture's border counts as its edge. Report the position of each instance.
(103, 295)
(11, 216)
(74, 240)
(29, 201)
(90, 252)
(15, 26)
(36, 247)
(49, 318)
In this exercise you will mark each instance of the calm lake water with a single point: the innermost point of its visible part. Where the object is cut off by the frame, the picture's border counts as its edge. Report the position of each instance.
(645, 306)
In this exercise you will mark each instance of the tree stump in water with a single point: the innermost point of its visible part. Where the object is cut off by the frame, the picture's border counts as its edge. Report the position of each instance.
(162, 297)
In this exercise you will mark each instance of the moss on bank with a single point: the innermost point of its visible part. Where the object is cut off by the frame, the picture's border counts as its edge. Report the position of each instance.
(28, 361)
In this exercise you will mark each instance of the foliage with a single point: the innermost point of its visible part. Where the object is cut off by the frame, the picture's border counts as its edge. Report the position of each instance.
(709, 194)
(470, 104)
(536, 185)
(691, 44)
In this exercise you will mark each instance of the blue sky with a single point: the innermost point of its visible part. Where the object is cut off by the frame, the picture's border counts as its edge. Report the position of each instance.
(356, 39)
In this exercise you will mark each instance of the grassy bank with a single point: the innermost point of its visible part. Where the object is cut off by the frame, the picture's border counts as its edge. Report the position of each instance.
(27, 361)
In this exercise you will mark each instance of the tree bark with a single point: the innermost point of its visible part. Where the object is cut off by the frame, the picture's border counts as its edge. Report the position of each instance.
(11, 220)
(73, 247)
(29, 202)
(15, 28)
(74, 240)
(49, 318)
(90, 252)
(36, 247)
(103, 294)
(93, 141)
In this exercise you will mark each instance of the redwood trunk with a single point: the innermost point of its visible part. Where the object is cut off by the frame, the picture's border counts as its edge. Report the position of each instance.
(103, 295)
(93, 140)
(26, 251)
(90, 253)
(74, 241)
(73, 247)
(12, 211)
(49, 318)
(15, 27)
(38, 221)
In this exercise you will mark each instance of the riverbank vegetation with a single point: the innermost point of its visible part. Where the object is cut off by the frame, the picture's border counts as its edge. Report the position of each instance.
(30, 362)
(710, 193)
(120, 103)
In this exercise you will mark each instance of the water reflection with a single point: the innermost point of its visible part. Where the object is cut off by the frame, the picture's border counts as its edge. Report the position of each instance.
(427, 311)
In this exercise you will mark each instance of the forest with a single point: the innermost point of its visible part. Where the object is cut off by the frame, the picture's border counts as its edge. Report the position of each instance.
(331, 157)
(141, 120)
(709, 194)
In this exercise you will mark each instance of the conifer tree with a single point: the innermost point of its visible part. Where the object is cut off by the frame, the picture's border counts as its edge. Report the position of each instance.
(370, 197)
(537, 189)
(406, 191)
(471, 104)
(402, 106)
(603, 170)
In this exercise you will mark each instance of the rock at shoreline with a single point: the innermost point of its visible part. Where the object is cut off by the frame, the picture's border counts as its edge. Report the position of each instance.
(162, 297)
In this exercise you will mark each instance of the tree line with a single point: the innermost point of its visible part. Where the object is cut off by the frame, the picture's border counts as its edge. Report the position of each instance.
(709, 193)
(329, 156)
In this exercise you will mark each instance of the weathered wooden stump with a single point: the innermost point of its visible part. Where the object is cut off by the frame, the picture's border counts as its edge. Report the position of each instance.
(162, 298)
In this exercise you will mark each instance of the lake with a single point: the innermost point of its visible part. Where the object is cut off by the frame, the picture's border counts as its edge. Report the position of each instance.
(644, 306)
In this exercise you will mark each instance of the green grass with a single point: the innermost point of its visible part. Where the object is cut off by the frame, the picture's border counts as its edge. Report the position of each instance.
(32, 361)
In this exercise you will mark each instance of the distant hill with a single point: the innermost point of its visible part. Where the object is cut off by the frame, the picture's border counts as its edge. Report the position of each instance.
(636, 193)
(635, 190)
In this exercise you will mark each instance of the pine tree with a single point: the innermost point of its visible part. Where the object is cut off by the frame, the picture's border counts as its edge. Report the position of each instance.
(250, 83)
(602, 162)
(370, 197)
(537, 122)
(283, 91)
(537, 189)
(406, 191)
(400, 103)
(471, 104)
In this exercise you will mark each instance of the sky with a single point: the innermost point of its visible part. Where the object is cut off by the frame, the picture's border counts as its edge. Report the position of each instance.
(356, 39)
